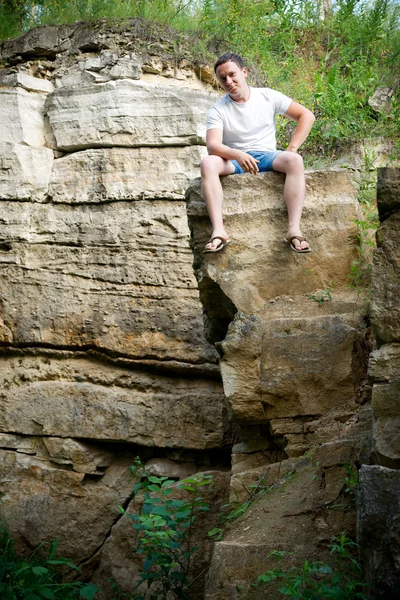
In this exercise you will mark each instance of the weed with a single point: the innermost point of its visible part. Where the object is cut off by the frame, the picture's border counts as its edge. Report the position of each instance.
(351, 480)
(37, 576)
(322, 296)
(164, 530)
(316, 580)
(360, 270)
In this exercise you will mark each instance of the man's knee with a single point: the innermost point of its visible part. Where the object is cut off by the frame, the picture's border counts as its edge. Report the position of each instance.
(295, 161)
(211, 165)
(288, 162)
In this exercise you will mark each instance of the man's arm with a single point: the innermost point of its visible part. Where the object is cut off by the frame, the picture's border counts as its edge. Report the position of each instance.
(217, 148)
(305, 119)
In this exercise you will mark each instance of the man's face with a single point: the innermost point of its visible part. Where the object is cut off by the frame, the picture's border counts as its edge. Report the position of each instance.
(233, 79)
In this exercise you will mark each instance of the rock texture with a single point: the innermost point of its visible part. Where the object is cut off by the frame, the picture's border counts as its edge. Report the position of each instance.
(107, 339)
(378, 529)
(378, 501)
(103, 354)
(293, 351)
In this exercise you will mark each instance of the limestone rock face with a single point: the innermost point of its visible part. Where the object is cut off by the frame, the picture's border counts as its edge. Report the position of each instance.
(384, 368)
(288, 351)
(106, 278)
(388, 191)
(24, 172)
(289, 332)
(378, 498)
(69, 395)
(103, 356)
(385, 309)
(22, 116)
(128, 113)
(378, 531)
(114, 174)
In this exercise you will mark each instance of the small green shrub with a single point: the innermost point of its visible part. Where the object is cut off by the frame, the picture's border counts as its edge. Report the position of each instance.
(317, 580)
(164, 529)
(37, 576)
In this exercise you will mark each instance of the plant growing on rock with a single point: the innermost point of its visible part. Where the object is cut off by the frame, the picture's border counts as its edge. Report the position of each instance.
(37, 577)
(164, 531)
(318, 580)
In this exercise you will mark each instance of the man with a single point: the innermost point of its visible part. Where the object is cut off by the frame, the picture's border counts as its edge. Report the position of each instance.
(241, 139)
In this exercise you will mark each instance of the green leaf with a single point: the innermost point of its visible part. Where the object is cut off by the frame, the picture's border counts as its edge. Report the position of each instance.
(46, 593)
(156, 480)
(40, 570)
(154, 488)
(214, 531)
(88, 591)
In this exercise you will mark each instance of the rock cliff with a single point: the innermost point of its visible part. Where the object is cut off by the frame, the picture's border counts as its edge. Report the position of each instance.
(293, 362)
(103, 355)
(379, 493)
(114, 343)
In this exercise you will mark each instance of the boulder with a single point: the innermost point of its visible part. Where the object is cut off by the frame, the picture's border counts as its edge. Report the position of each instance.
(381, 100)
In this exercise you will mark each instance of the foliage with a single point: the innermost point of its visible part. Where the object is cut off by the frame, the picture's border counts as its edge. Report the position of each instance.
(367, 224)
(317, 580)
(351, 480)
(322, 296)
(331, 65)
(164, 529)
(37, 576)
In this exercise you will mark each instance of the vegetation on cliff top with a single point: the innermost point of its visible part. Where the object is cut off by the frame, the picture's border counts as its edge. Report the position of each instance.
(331, 62)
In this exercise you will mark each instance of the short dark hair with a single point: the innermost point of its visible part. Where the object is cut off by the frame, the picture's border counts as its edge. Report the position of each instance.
(229, 57)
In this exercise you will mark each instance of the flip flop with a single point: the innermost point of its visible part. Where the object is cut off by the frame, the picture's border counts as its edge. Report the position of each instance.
(293, 247)
(224, 242)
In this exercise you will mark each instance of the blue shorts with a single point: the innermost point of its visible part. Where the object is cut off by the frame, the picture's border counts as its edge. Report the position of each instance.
(265, 161)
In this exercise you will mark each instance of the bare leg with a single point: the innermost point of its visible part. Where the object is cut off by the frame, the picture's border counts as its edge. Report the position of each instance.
(294, 191)
(212, 167)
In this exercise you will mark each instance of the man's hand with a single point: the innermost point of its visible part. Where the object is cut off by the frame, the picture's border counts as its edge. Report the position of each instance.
(248, 163)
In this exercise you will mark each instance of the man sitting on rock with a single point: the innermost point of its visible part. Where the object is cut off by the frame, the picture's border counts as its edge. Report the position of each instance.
(241, 139)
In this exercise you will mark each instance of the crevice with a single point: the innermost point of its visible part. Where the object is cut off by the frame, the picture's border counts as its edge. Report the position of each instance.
(218, 310)
(124, 505)
(106, 352)
(199, 370)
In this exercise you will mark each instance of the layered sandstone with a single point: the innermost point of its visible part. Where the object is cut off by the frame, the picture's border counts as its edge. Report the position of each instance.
(103, 352)
(293, 349)
(108, 338)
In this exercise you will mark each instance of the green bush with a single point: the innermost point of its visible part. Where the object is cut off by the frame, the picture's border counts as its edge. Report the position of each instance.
(37, 576)
(164, 530)
(320, 581)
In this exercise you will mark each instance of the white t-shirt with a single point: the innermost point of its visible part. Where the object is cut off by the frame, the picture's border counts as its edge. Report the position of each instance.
(249, 125)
